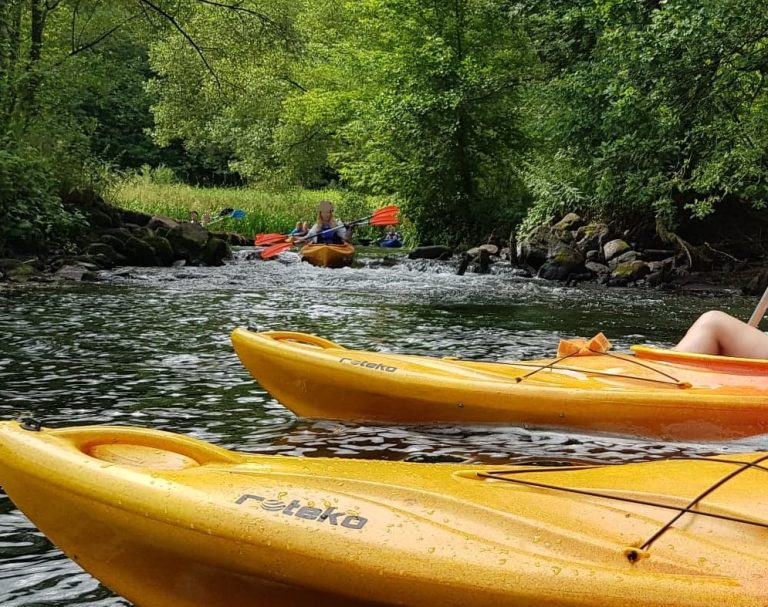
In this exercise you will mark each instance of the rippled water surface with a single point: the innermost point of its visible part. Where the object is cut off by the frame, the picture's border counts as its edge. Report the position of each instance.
(154, 350)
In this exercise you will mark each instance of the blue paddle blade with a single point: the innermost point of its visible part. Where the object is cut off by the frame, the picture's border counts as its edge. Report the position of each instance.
(238, 214)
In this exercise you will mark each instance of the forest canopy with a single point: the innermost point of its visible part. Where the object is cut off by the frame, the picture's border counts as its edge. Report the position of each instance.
(474, 114)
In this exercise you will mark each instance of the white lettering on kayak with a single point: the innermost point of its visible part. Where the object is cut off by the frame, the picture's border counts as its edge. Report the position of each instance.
(294, 508)
(368, 365)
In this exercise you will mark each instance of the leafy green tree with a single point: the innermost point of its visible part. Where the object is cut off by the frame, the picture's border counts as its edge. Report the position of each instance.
(653, 109)
(72, 78)
(225, 109)
(423, 104)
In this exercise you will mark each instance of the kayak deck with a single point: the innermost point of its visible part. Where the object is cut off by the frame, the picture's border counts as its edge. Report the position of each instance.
(328, 255)
(651, 393)
(169, 520)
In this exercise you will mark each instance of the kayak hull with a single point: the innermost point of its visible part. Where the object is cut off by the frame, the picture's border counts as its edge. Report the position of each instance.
(683, 399)
(169, 520)
(328, 255)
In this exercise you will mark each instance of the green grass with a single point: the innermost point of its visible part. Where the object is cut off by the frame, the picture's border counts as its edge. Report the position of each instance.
(266, 211)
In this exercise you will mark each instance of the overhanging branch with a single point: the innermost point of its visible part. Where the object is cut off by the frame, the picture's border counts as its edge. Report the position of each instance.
(172, 20)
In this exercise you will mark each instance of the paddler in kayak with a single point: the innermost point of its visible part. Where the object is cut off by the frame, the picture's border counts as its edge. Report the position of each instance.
(327, 229)
(721, 334)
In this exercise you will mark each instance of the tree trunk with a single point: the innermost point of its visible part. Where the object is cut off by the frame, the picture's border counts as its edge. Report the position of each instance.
(5, 46)
(27, 94)
(36, 32)
(10, 44)
(463, 160)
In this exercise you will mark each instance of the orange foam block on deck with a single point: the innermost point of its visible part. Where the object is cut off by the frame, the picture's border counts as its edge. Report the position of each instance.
(583, 347)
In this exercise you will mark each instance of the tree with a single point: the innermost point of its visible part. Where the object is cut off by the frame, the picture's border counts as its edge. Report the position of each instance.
(427, 96)
(662, 112)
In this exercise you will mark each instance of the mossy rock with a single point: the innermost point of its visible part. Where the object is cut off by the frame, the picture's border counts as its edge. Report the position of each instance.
(101, 248)
(563, 262)
(23, 273)
(614, 248)
(188, 239)
(631, 270)
(571, 221)
(121, 234)
(135, 217)
(113, 242)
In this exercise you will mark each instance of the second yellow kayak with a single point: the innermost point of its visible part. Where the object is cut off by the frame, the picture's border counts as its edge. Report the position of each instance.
(652, 392)
(167, 520)
(328, 255)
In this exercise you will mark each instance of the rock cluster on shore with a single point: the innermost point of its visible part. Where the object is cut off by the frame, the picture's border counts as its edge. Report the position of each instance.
(572, 250)
(118, 237)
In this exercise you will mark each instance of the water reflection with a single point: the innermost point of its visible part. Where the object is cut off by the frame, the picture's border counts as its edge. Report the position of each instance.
(154, 350)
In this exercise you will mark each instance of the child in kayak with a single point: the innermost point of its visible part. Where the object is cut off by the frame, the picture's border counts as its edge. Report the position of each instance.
(719, 333)
(300, 230)
(392, 238)
(327, 229)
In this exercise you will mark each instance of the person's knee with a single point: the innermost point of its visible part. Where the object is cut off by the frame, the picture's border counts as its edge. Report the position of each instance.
(713, 318)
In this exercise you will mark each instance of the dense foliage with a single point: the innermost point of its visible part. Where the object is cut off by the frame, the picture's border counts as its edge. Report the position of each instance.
(473, 114)
(650, 107)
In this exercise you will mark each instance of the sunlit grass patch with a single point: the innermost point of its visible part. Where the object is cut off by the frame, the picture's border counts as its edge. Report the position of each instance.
(266, 211)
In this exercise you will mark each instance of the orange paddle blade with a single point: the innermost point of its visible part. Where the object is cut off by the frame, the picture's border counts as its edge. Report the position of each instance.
(265, 239)
(385, 216)
(392, 208)
(384, 220)
(275, 249)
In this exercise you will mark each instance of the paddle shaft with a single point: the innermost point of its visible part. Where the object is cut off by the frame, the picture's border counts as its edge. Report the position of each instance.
(234, 214)
(759, 312)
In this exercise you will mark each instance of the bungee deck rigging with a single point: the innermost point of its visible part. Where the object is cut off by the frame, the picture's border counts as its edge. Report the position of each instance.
(509, 476)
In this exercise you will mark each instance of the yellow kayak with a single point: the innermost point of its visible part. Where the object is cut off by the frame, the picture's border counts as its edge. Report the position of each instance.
(165, 520)
(652, 392)
(328, 255)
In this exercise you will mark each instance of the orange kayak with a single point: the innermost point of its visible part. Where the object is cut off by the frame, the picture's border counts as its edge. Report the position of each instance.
(650, 392)
(328, 255)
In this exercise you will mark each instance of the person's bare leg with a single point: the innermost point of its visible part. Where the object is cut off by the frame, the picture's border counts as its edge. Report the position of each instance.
(719, 333)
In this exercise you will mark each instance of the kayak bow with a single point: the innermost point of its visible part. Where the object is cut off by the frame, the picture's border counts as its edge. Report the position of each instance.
(164, 519)
(653, 392)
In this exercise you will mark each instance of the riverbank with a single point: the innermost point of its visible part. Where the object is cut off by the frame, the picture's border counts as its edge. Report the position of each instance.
(567, 252)
(574, 250)
(116, 237)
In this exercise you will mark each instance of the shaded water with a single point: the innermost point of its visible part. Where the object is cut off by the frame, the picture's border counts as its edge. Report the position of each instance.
(154, 350)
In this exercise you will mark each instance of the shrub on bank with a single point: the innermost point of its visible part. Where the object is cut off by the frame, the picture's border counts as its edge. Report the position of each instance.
(34, 217)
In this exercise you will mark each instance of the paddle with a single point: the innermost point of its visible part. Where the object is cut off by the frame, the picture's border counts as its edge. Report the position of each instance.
(376, 219)
(262, 240)
(228, 214)
(382, 217)
(759, 312)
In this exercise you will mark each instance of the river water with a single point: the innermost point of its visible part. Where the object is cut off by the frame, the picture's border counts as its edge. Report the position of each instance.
(153, 349)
